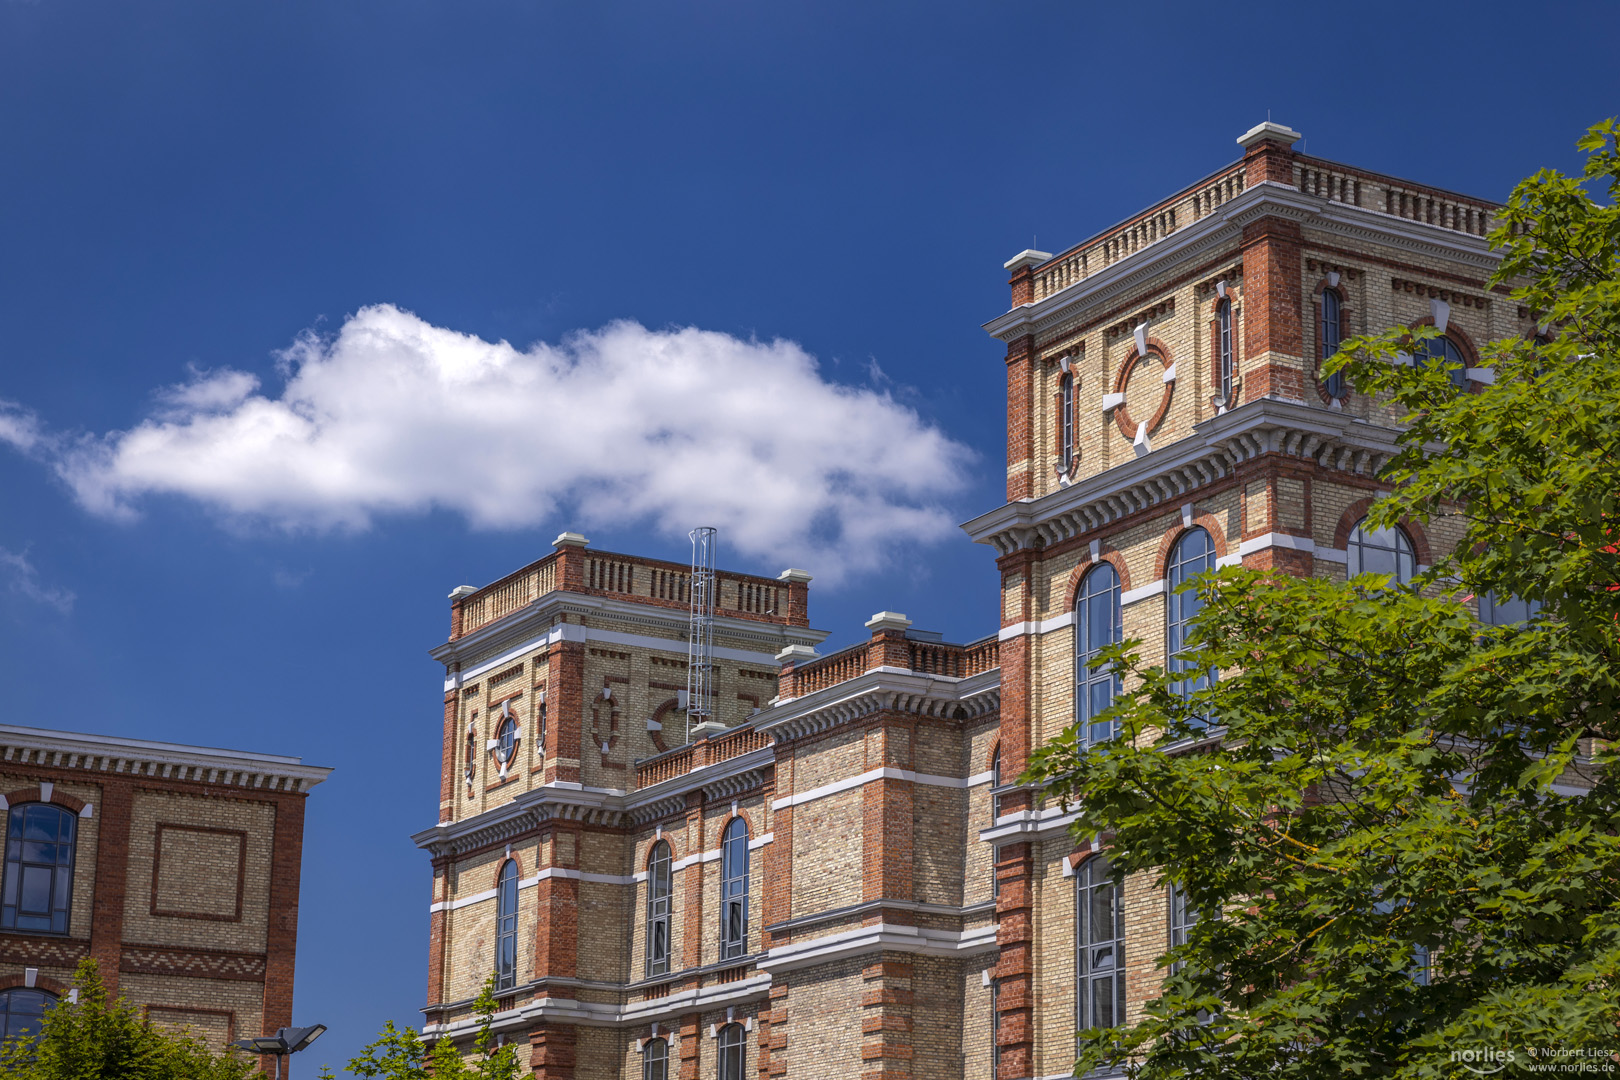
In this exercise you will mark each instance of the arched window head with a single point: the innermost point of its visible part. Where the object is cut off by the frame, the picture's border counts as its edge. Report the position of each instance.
(655, 1059)
(1066, 422)
(1226, 373)
(1332, 334)
(1096, 624)
(1442, 350)
(1193, 554)
(22, 1012)
(734, 890)
(731, 1052)
(659, 892)
(1381, 551)
(506, 905)
(38, 887)
(1100, 937)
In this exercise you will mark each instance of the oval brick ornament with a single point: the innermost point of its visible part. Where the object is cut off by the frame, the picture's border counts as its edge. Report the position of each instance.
(1146, 375)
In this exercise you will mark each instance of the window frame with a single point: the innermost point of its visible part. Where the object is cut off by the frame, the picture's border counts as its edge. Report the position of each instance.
(1092, 876)
(730, 1052)
(659, 908)
(1088, 680)
(1066, 420)
(649, 1061)
(47, 999)
(506, 915)
(1226, 376)
(14, 873)
(1359, 541)
(1332, 315)
(1181, 608)
(734, 889)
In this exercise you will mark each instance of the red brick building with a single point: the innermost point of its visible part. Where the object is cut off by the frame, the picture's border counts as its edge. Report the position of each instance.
(175, 867)
(842, 877)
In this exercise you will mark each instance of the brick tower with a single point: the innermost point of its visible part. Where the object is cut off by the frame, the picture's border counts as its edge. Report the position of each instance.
(841, 876)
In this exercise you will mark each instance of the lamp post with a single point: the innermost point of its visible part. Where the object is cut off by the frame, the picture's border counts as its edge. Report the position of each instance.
(287, 1040)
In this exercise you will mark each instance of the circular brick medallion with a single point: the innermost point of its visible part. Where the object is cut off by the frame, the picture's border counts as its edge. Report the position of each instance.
(1141, 380)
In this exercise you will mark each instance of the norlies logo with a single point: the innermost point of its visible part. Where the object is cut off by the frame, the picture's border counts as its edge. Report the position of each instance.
(1484, 1062)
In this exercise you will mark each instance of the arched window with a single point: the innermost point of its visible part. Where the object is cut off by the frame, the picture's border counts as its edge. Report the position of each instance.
(1100, 935)
(22, 1012)
(1442, 350)
(1096, 624)
(506, 904)
(659, 891)
(1193, 554)
(995, 782)
(734, 890)
(38, 885)
(655, 1060)
(1066, 421)
(731, 1053)
(1223, 316)
(1508, 611)
(1381, 551)
(1182, 919)
(1332, 334)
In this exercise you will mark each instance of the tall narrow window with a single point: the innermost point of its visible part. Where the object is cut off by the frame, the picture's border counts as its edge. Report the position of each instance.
(1442, 350)
(995, 782)
(734, 890)
(1381, 551)
(1332, 334)
(655, 1060)
(1101, 939)
(658, 901)
(1223, 315)
(1193, 554)
(1182, 919)
(1096, 624)
(995, 1023)
(506, 903)
(1066, 420)
(38, 887)
(731, 1053)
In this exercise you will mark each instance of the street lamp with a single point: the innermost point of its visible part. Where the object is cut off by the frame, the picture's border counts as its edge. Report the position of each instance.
(287, 1040)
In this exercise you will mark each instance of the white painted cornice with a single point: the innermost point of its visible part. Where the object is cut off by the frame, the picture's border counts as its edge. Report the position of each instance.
(880, 689)
(169, 761)
(529, 626)
(1174, 474)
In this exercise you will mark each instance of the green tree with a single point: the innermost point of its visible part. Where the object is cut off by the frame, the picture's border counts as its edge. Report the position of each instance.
(1404, 844)
(402, 1053)
(95, 1038)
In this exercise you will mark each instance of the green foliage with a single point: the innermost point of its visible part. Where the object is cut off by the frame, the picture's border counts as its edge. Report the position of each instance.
(99, 1039)
(1408, 828)
(402, 1054)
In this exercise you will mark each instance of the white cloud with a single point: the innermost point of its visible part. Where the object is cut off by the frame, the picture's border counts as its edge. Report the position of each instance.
(23, 579)
(18, 426)
(620, 426)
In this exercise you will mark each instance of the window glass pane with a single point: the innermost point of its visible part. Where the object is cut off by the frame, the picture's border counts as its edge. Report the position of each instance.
(1381, 551)
(1442, 350)
(22, 1011)
(1512, 611)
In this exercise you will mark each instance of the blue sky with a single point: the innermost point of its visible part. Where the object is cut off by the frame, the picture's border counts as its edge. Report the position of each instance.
(321, 219)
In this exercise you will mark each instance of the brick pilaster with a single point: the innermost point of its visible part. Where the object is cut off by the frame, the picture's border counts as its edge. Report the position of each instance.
(690, 1040)
(552, 1051)
(1015, 970)
(1020, 418)
(887, 820)
(112, 869)
(447, 759)
(286, 865)
(695, 925)
(886, 1029)
(773, 1031)
(436, 934)
(565, 711)
(1273, 330)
